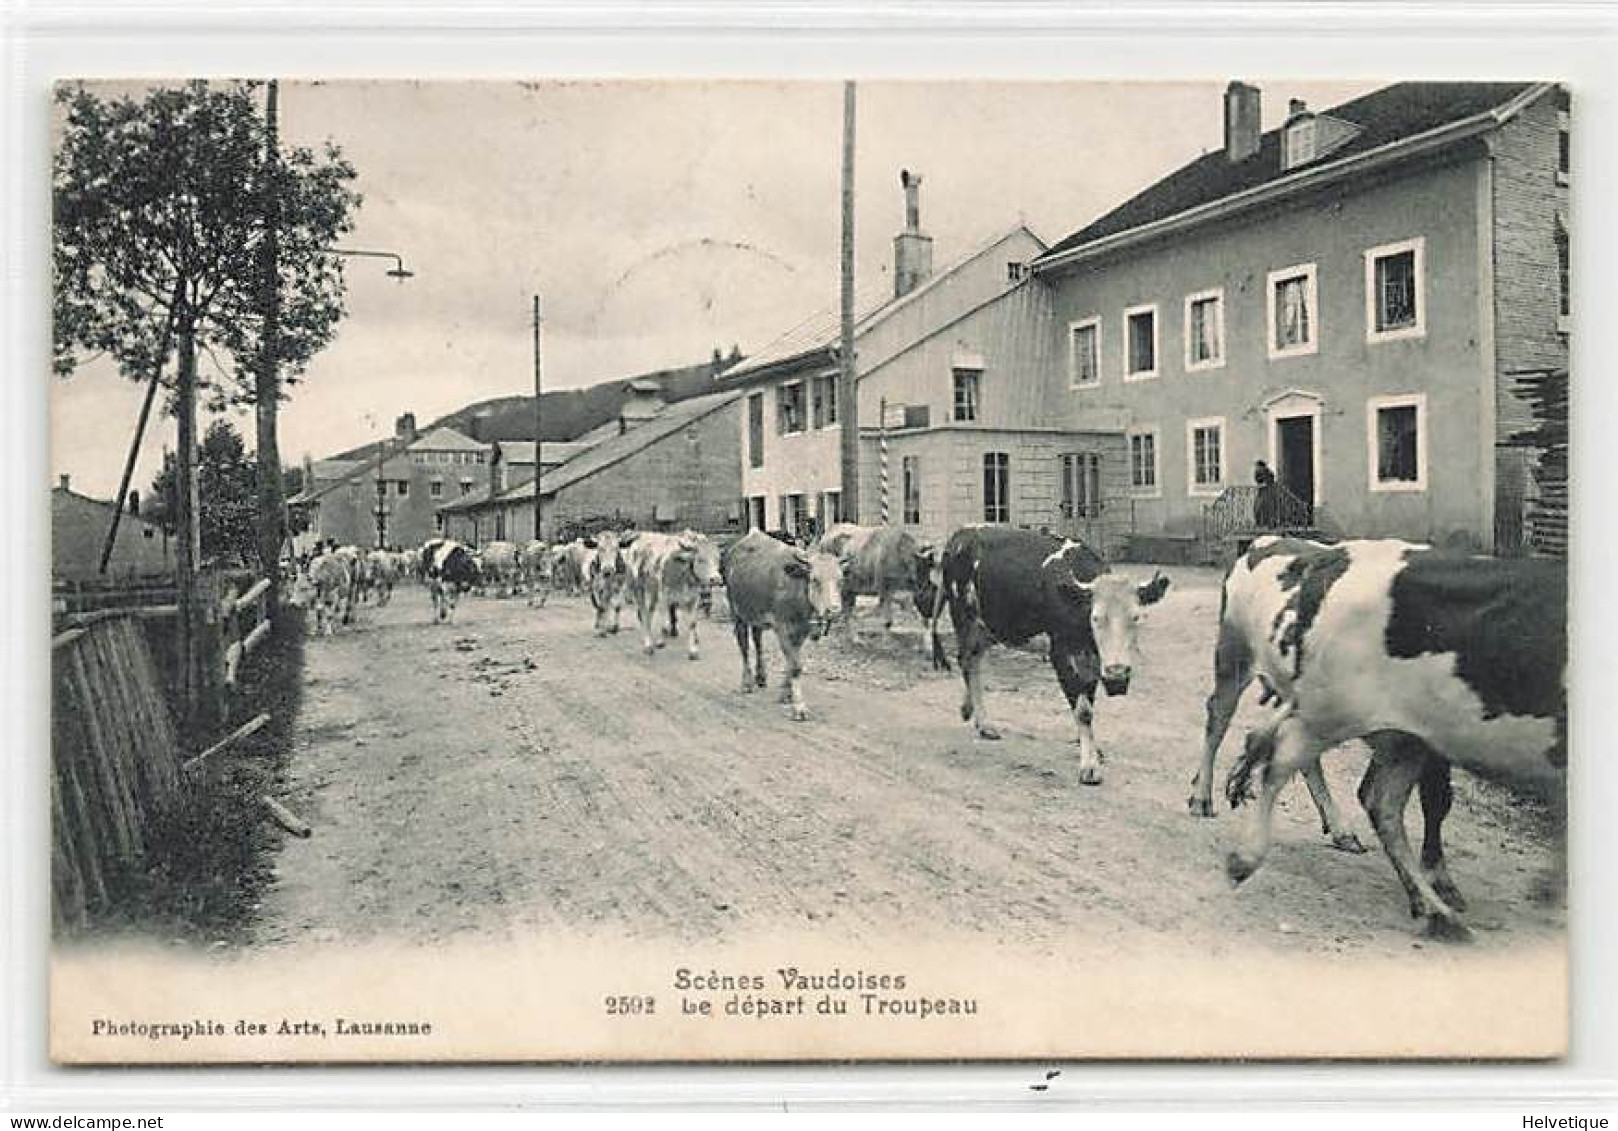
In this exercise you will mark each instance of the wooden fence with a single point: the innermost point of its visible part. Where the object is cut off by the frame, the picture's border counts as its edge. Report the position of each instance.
(118, 758)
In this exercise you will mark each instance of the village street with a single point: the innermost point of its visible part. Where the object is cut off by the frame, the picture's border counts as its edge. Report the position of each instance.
(511, 772)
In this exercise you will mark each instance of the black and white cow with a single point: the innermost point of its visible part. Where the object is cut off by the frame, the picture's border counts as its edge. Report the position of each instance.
(1253, 599)
(450, 571)
(1427, 654)
(1007, 586)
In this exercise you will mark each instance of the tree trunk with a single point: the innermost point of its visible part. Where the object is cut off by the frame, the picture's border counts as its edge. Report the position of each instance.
(267, 378)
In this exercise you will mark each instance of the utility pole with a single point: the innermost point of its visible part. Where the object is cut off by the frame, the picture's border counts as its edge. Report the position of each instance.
(190, 554)
(847, 392)
(538, 421)
(267, 377)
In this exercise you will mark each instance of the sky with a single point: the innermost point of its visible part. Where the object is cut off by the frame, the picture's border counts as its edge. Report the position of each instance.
(656, 220)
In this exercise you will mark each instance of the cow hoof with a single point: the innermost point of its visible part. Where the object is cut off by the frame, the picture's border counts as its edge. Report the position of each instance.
(800, 714)
(693, 656)
(1347, 842)
(1446, 928)
(1200, 806)
(1449, 893)
(1089, 776)
(649, 649)
(966, 712)
(1238, 868)
(989, 733)
(747, 687)
(660, 643)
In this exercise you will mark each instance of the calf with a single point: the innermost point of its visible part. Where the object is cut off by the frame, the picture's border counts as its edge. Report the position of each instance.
(1007, 586)
(1425, 654)
(772, 585)
(498, 561)
(570, 565)
(450, 572)
(605, 575)
(878, 561)
(670, 573)
(385, 568)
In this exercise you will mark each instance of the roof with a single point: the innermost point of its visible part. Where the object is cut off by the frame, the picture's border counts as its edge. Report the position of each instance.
(621, 447)
(60, 492)
(556, 451)
(467, 502)
(1395, 113)
(447, 440)
(335, 468)
(872, 303)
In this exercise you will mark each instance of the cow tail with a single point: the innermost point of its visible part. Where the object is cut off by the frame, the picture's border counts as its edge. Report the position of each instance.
(1257, 754)
(940, 661)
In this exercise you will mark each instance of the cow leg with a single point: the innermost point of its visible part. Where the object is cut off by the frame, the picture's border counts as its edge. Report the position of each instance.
(692, 651)
(791, 679)
(646, 613)
(760, 680)
(741, 631)
(850, 601)
(673, 631)
(1331, 820)
(884, 608)
(972, 708)
(1385, 791)
(1231, 676)
(1277, 751)
(1079, 685)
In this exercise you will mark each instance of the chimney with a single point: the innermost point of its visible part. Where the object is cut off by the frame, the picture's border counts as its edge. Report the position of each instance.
(65, 481)
(1243, 121)
(133, 503)
(644, 401)
(912, 249)
(1296, 106)
(404, 428)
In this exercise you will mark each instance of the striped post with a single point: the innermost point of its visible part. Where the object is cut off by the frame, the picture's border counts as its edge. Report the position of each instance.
(882, 450)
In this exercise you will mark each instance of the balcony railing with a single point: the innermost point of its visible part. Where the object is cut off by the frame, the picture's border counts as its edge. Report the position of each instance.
(1254, 509)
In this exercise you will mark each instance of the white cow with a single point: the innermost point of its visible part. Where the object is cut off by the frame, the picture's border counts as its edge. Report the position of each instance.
(670, 572)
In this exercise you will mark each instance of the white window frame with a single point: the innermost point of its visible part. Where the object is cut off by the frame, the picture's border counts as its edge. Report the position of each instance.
(1157, 342)
(1206, 490)
(1091, 323)
(1311, 296)
(1418, 246)
(1155, 491)
(1373, 406)
(1301, 142)
(804, 424)
(1217, 296)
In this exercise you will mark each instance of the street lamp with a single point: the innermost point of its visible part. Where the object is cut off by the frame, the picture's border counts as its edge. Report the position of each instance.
(398, 271)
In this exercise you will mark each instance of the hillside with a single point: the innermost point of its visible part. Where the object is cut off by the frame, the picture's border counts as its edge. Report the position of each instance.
(567, 413)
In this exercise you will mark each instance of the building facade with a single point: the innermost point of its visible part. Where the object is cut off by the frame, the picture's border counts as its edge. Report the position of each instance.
(1347, 298)
(79, 527)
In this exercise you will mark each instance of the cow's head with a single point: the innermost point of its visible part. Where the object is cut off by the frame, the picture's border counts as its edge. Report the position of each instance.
(702, 556)
(822, 576)
(1115, 603)
(927, 578)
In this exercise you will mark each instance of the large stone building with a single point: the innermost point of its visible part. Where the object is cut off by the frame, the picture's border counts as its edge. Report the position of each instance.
(1348, 298)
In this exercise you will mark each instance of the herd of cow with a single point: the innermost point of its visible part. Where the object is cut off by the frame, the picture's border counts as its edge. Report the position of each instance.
(1434, 658)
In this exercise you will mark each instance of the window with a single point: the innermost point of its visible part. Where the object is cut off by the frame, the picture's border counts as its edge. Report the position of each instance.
(1205, 455)
(825, 401)
(466, 486)
(1081, 485)
(1084, 353)
(403, 488)
(1564, 146)
(968, 387)
(1204, 330)
(996, 487)
(755, 509)
(1395, 306)
(1564, 271)
(793, 512)
(789, 408)
(755, 430)
(1294, 328)
(831, 508)
(1143, 461)
(1140, 343)
(436, 488)
(910, 479)
(1397, 442)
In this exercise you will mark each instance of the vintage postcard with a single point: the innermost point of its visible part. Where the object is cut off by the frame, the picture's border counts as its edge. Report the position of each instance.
(766, 571)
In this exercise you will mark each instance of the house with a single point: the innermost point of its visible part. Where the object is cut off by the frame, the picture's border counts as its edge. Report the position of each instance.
(1350, 297)
(79, 527)
(660, 467)
(946, 353)
(391, 498)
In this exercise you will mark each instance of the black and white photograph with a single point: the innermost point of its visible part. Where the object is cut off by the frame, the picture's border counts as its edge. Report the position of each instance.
(792, 571)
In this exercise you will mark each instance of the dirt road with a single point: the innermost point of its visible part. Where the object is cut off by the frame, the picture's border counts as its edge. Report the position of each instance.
(511, 771)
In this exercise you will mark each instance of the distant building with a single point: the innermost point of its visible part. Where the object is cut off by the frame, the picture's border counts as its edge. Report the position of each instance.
(394, 496)
(79, 527)
(660, 467)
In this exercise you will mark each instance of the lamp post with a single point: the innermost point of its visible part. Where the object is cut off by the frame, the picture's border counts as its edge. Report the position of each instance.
(398, 271)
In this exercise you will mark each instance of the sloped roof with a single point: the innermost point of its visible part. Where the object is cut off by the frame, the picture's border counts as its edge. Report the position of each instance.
(872, 303)
(335, 468)
(556, 451)
(443, 439)
(1391, 114)
(618, 448)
